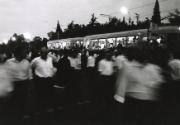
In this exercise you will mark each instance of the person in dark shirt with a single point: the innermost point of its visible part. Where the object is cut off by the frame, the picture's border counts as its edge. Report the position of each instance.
(63, 69)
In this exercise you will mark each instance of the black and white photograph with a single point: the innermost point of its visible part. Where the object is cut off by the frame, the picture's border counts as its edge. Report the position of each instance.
(89, 62)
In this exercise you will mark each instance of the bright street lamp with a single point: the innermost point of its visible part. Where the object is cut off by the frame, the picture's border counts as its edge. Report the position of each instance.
(124, 10)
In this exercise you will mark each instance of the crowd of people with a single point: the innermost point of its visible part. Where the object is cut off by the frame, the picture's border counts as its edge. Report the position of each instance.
(137, 85)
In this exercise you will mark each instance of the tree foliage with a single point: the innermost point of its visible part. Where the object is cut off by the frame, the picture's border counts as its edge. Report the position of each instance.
(174, 17)
(94, 27)
(156, 18)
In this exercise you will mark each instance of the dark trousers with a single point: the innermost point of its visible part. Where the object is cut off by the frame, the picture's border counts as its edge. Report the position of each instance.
(17, 104)
(44, 88)
(118, 111)
(106, 89)
(5, 114)
(91, 83)
(105, 95)
(20, 95)
(140, 112)
(170, 105)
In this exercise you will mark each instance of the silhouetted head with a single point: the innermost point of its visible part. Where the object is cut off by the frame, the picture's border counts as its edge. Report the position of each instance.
(44, 52)
(3, 55)
(20, 53)
(108, 56)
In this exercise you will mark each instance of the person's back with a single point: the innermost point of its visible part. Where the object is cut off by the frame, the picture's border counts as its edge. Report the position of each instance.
(143, 81)
(174, 64)
(172, 89)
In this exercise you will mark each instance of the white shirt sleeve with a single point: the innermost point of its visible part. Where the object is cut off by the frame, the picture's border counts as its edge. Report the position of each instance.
(100, 66)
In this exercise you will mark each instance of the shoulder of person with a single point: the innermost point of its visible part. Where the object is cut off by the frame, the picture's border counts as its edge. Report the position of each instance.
(35, 59)
(25, 60)
(50, 58)
(174, 62)
(10, 60)
(153, 66)
(155, 69)
(102, 61)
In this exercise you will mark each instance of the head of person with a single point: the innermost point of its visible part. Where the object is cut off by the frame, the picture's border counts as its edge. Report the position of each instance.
(66, 53)
(91, 53)
(20, 53)
(108, 56)
(135, 54)
(3, 57)
(44, 52)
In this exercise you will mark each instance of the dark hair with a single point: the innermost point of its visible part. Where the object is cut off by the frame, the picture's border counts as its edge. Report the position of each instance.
(20, 51)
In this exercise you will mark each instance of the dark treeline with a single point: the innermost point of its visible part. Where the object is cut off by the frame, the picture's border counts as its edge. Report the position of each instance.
(113, 25)
(94, 27)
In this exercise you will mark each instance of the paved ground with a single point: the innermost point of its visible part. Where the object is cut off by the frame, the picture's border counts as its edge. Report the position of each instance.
(74, 114)
(85, 114)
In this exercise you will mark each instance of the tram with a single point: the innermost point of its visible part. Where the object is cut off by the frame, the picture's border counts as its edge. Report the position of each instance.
(169, 35)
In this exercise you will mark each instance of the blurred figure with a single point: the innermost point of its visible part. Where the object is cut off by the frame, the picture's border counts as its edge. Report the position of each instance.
(91, 60)
(172, 90)
(83, 60)
(91, 73)
(63, 69)
(119, 96)
(106, 83)
(6, 87)
(84, 82)
(44, 71)
(63, 77)
(139, 85)
(75, 77)
(20, 69)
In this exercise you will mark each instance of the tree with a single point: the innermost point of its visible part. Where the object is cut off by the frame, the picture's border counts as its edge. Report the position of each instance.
(59, 32)
(143, 24)
(156, 18)
(74, 30)
(93, 20)
(113, 24)
(92, 27)
(174, 18)
(51, 35)
(19, 40)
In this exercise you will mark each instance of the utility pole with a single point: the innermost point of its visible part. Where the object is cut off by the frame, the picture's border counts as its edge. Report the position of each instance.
(137, 17)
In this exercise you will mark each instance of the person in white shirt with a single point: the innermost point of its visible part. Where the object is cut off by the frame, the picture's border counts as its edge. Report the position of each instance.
(106, 82)
(43, 71)
(74, 91)
(105, 67)
(174, 65)
(91, 74)
(20, 71)
(120, 62)
(172, 89)
(91, 60)
(138, 87)
(6, 88)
